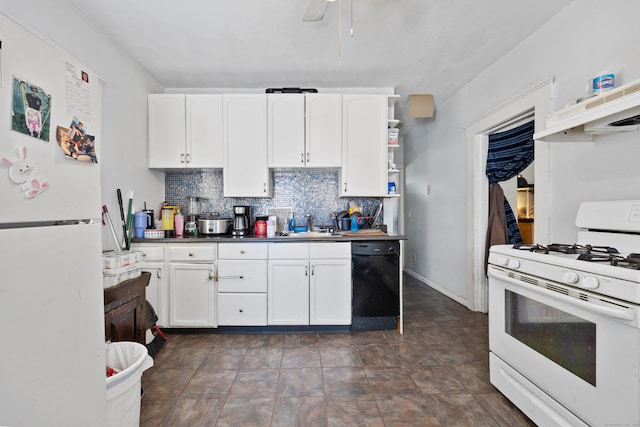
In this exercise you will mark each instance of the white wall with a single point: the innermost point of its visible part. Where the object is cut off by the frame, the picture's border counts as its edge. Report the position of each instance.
(124, 112)
(575, 45)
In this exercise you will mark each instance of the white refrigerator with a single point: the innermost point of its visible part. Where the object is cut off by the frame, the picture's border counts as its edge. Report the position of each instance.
(52, 363)
(52, 358)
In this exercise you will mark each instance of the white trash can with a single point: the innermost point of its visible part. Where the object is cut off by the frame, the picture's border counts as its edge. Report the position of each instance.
(130, 360)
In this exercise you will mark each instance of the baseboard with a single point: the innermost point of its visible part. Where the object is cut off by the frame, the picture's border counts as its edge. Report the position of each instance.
(437, 287)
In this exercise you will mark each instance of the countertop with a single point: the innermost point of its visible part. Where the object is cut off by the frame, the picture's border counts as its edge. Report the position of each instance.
(228, 238)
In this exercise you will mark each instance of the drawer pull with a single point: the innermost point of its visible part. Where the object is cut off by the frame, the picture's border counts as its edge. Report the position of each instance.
(242, 277)
(242, 251)
(190, 253)
(241, 310)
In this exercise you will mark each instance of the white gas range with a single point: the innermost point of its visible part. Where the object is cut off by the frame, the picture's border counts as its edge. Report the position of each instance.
(564, 334)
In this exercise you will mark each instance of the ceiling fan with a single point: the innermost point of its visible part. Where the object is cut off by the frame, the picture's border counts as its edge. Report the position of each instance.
(315, 10)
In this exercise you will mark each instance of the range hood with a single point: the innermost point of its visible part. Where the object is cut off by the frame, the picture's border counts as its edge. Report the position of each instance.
(617, 110)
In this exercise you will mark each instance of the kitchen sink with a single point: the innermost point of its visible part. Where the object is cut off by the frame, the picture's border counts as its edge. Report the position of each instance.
(310, 234)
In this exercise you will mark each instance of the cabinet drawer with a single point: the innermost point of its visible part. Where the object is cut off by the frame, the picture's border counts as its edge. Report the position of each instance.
(330, 250)
(242, 251)
(242, 309)
(192, 253)
(151, 253)
(288, 250)
(242, 276)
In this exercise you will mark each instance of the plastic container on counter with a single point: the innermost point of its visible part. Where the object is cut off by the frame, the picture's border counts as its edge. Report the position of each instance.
(260, 225)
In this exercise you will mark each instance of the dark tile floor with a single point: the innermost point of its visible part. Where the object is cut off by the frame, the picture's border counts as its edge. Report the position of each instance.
(435, 374)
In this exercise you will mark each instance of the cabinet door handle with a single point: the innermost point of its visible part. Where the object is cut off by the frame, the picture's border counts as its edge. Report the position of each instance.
(302, 158)
(182, 158)
(158, 274)
(307, 157)
(313, 270)
(345, 187)
(306, 270)
(188, 158)
(264, 187)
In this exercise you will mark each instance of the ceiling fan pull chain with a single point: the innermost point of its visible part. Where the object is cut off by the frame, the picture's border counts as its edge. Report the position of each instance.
(351, 17)
(340, 34)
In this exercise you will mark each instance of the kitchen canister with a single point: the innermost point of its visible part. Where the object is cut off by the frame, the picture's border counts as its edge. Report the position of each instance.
(260, 225)
(602, 83)
(140, 223)
(167, 219)
(149, 213)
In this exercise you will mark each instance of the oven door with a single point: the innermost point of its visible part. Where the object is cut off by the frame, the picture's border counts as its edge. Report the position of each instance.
(577, 348)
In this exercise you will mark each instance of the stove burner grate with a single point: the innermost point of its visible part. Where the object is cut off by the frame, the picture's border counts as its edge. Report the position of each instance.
(566, 248)
(588, 253)
(632, 261)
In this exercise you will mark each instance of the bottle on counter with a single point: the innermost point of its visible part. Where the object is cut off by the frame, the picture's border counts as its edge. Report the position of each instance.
(179, 224)
(292, 222)
(271, 226)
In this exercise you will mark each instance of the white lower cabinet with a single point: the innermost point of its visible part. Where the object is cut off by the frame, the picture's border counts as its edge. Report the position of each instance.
(330, 285)
(156, 292)
(192, 286)
(249, 284)
(288, 291)
(242, 309)
(330, 292)
(310, 284)
(242, 284)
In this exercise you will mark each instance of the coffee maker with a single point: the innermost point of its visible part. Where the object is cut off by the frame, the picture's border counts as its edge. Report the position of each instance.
(241, 215)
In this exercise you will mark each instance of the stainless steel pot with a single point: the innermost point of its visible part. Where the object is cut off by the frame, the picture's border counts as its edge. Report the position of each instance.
(214, 225)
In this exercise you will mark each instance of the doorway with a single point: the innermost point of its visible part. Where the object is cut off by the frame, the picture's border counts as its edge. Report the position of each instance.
(532, 103)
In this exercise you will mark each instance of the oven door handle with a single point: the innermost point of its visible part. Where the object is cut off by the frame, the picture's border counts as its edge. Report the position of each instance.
(616, 313)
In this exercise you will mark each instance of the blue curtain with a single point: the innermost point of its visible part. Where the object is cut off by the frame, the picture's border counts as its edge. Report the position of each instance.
(510, 152)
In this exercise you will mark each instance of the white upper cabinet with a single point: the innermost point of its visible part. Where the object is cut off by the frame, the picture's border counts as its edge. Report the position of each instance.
(185, 131)
(364, 155)
(324, 130)
(245, 170)
(305, 130)
(204, 131)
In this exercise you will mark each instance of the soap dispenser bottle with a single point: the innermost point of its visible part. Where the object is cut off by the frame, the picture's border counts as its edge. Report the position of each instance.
(292, 222)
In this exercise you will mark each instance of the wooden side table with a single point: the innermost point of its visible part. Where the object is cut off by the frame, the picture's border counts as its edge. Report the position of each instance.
(125, 308)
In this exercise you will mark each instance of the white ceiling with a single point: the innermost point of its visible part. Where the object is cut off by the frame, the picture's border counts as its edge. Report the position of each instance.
(415, 46)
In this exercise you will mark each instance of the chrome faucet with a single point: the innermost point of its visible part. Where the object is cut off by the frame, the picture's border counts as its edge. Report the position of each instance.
(309, 222)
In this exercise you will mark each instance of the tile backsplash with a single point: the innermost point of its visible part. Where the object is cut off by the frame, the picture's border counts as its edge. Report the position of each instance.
(304, 191)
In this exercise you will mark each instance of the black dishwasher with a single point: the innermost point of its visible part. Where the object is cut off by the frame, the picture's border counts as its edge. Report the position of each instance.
(375, 269)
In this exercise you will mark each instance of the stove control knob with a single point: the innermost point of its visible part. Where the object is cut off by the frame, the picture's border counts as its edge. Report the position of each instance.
(503, 261)
(590, 282)
(570, 277)
(514, 263)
